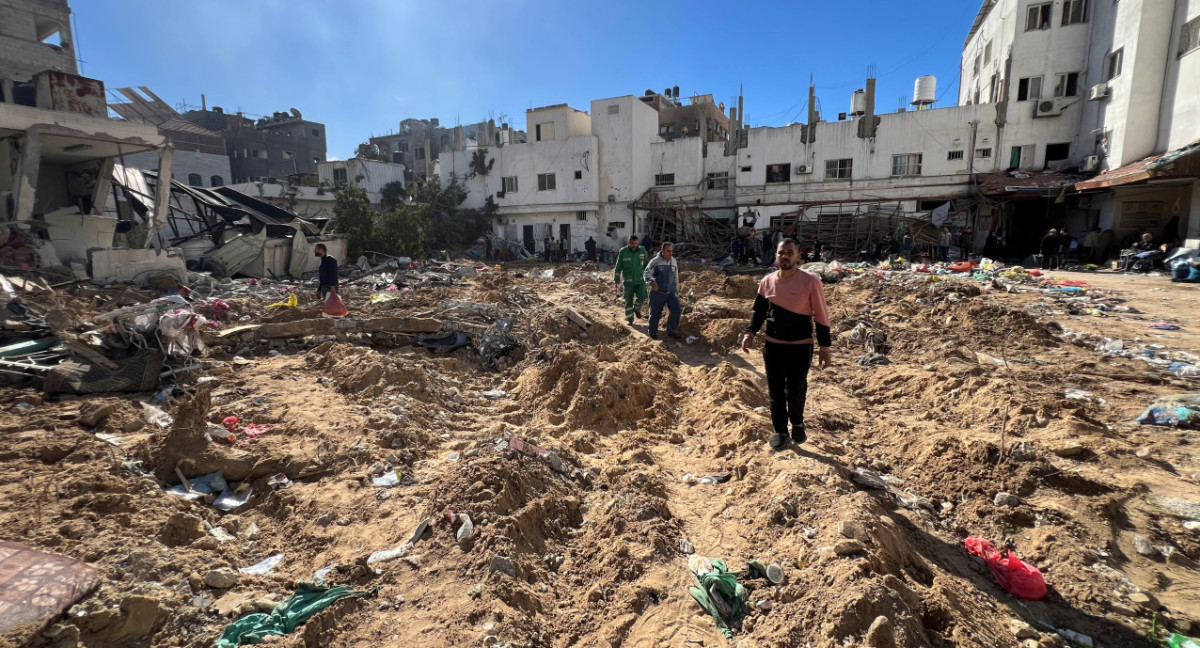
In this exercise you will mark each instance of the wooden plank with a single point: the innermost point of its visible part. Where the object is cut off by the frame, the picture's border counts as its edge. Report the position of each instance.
(81, 349)
(238, 329)
(577, 319)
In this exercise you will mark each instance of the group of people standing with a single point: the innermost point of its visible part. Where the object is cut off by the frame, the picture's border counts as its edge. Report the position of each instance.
(556, 249)
(748, 247)
(655, 279)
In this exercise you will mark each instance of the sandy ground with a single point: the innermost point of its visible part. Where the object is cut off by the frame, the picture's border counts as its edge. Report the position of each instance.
(599, 542)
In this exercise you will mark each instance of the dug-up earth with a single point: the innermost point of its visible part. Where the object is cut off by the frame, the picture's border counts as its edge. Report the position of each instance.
(591, 549)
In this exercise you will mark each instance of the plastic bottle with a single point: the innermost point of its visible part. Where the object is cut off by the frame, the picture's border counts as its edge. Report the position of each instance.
(218, 434)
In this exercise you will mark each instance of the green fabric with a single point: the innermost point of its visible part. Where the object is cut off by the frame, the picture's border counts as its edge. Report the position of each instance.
(1180, 641)
(632, 264)
(727, 586)
(755, 569)
(635, 297)
(309, 599)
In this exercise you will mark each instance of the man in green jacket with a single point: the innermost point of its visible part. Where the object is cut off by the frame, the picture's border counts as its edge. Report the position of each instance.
(631, 262)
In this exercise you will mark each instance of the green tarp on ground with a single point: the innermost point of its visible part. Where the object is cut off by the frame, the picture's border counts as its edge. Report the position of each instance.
(309, 599)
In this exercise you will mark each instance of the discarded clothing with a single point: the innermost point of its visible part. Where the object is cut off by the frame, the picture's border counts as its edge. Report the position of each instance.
(1173, 411)
(497, 341)
(1164, 326)
(445, 343)
(308, 600)
(1018, 578)
(717, 590)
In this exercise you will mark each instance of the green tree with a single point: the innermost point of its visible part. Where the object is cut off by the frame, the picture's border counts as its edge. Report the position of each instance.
(354, 217)
(402, 231)
(393, 195)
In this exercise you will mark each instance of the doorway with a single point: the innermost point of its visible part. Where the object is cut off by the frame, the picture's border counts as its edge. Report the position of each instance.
(564, 234)
(527, 237)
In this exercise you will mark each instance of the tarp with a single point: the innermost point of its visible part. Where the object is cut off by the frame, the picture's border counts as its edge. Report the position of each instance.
(308, 600)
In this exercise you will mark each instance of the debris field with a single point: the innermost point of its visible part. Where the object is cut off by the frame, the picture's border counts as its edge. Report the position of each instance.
(498, 459)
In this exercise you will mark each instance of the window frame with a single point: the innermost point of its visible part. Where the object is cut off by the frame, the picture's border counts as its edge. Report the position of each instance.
(547, 182)
(1071, 17)
(718, 180)
(1065, 81)
(195, 180)
(1044, 16)
(908, 159)
(781, 171)
(544, 134)
(664, 180)
(1113, 71)
(1060, 146)
(216, 181)
(839, 171)
(1029, 88)
(983, 153)
(504, 184)
(952, 156)
(344, 173)
(581, 215)
(1189, 32)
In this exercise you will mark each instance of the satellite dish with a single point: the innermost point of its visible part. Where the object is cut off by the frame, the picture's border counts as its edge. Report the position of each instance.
(295, 113)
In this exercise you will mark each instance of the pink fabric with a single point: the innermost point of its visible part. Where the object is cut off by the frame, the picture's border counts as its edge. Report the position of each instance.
(800, 293)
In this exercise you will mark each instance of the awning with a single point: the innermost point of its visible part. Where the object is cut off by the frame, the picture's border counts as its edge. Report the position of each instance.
(1182, 162)
(1032, 183)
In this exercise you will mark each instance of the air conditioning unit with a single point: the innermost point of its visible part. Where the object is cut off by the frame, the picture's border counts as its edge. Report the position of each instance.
(612, 198)
(1090, 163)
(1049, 108)
(802, 169)
(1099, 91)
(499, 194)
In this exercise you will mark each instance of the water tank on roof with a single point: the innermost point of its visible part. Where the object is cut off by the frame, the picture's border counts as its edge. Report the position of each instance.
(924, 91)
(858, 103)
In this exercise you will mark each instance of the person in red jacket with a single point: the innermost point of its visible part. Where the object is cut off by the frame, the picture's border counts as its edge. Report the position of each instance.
(790, 302)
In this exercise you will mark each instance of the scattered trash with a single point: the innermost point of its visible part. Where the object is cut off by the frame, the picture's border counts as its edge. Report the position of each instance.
(279, 482)
(775, 573)
(402, 550)
(308, 599)
(265, 566)
(1018, 578)
(1163, 326)
(1075, 637)
(707, 479)
(717, 590)
(156, 416)
(444, 343)
(388, 480)
(466, 531)
(1180, 641)
(1172, 411)
(494, 394)
(497, 341)
(230, 501)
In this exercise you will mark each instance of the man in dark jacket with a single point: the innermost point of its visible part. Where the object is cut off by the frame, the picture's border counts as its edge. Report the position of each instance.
(327, 275)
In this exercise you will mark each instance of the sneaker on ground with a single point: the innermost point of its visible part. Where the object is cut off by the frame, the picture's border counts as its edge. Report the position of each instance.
(776, 441)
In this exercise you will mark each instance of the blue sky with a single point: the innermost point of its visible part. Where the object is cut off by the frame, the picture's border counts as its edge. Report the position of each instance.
(360, 66)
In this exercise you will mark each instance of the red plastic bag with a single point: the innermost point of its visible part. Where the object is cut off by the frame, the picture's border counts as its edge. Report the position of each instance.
(334, 306)
(1021, 579)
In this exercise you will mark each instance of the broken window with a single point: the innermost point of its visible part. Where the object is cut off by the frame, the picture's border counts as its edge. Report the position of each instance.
(1074, 11)
(839, 169)
(316, 132)
(1029, 89)
(977, 65)
(664, 179)
(718, 180)
(510, 184)
(907, 164)
(1066, 85)
(546, 182)
(746, 169)
(288, 155)
(1057, 152)
(779, 172)
(1038, 16)
(954, 155)
(316, 160)
(544, 132)
(195, 180)
(216, 181)
(1112, 64)
(49, 32)
(340, 176)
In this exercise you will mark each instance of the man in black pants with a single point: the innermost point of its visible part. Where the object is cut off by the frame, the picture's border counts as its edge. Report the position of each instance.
(327, 274)
(790, 301)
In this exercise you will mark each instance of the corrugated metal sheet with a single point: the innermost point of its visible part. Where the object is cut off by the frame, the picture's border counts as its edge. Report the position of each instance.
(230, 258)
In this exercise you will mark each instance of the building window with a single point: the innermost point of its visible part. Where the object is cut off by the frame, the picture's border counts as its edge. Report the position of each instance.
(420, 153)
(779, 172)
(614, 109)
(1112, 64)
(994, 89)
(987, 53)
(340, 176)
(718, 180)
(664, 179)
(195, 180)
(544, 132)
(259, 154)
(545, 182)
(1189, 36)
(581, 215)
(1057, 152)
(217, 181)
(977, 65)
(510, 184)
(983, 152)
(1021, 157)
(1029, 89)
(402, 147)
(579, 175)
(616, 225)
(954, 155)
(1066, 85)
(316, 132)
(1074, 11)
(839, 169)
(316, 160)
(288, 155)
(1038, 16)
(908, 164)
(746, 169)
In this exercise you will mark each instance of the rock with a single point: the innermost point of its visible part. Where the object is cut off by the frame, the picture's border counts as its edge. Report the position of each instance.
(596, 593)
(881, 634)
(605, 354)
(1143, 453)
(326, 519)
(182, 529)
(1122, 609)
(221, 578)
(134, 425)
(764, 605)
(1140, 599)
(1023, 452)
(1022, 630)
(475, 592)
(1143, 547)
(94, 415)
(503, 565)
(1192, 525)
(848, 548)
(1005, 499)
(557, 464)
(1068, 449)
(253, 533)
(138, 616)
(853, 530)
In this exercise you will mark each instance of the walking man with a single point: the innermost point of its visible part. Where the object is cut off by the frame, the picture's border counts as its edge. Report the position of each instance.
(790, 301)
(590, 246)
(631, 264)
(327, 274)
(662, 273)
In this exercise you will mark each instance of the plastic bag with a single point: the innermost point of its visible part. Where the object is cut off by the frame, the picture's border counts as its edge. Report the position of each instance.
(334, 306)
(291, 302)
(1017, 577)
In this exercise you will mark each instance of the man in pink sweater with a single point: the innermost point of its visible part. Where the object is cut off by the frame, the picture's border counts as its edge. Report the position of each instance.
(790, 301)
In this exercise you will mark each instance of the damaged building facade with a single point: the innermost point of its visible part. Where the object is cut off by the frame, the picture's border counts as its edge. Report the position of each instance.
(418, 143)
(1070, 114)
